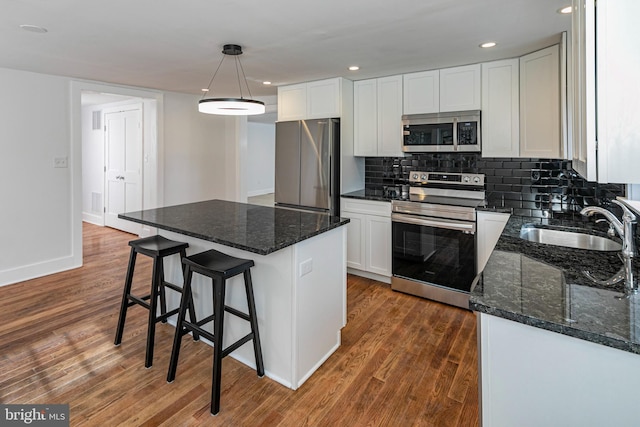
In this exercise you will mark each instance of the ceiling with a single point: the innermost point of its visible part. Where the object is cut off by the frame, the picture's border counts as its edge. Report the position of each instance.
(176, 45)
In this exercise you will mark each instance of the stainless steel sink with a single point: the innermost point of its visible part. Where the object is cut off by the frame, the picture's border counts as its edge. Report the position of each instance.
(568, 239)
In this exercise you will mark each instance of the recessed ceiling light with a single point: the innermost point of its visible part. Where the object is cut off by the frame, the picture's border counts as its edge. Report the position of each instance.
(488, 44)
(565, 10)
(33, 28)
(354, 68)
(266, 83)
(205, 90)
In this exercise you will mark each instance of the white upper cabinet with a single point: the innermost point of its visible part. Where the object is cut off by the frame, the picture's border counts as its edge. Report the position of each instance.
(616, 54)
(540, 127)
(582, 87)
(501, 108)
(421, 92)
(377, 116)
(365, 117)
(292, 102)
(390, 116)
(312, 100)
(460, 88)
(323, 99)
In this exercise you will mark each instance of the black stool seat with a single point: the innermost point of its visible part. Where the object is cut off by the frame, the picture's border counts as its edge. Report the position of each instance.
(219, 267)
(214, 262)
(156, 247)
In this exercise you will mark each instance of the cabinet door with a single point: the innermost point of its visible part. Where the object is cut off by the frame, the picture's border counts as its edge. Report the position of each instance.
(323, 99)
(378, 244)
(390, 116)
(365, 118)
(500, 109)
(421, 92)
(582, 88)
(460, 88)
(355, 240)
(490, 226)
(292, 102)
(540, 131)
(618, 91)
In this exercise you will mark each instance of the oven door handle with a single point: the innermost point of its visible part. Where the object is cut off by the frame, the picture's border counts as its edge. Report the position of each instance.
(467, 227)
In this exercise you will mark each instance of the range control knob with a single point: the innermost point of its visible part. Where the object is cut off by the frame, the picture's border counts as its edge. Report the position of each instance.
(476, 179)
(423, 177)
(466, 179)
(414, 176)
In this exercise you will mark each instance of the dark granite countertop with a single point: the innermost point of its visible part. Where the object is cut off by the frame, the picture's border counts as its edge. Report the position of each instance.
(544, 286)
(253, 228)
(367, 194)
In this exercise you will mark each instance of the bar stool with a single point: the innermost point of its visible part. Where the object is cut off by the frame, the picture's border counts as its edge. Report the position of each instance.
(156, 247)
(219, 267)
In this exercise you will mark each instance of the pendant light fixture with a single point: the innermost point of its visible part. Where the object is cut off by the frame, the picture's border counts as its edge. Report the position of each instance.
(231, 106)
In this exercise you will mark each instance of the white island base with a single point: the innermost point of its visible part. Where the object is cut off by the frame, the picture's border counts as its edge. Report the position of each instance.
(300, 296)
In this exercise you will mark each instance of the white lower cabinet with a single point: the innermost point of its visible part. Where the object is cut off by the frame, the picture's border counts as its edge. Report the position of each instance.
(368, 235)
(489, 226)
(534, 377)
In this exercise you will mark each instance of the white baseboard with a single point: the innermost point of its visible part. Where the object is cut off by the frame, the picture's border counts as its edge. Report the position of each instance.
(369, 275)
(254, 193)
(32, 271)
(93, 218)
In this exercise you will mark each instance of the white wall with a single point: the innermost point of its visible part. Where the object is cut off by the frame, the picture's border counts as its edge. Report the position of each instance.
(194, 151)
(261, 158)
(40, 218)
(36, 213)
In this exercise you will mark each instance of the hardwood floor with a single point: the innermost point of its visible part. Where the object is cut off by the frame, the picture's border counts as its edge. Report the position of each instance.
(403, 360)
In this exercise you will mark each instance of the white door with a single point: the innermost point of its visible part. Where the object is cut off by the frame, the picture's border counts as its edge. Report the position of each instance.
(123, 166)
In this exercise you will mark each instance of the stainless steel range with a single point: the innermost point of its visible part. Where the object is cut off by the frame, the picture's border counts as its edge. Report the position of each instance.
(434, 236)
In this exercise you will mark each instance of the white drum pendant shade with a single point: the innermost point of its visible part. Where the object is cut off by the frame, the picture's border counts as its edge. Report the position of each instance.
(231, 106)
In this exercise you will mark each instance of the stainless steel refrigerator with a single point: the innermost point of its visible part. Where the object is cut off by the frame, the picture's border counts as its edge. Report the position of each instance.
(308, 165)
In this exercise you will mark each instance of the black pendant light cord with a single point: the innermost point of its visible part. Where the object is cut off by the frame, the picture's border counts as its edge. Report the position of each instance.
(238, 70)
(214, 76)
(245, 80)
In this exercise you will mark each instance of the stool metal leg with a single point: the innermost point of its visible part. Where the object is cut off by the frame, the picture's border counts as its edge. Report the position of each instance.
(125, 297)
(177, 338)
(218, 330)
(153, 306)
(257, 349)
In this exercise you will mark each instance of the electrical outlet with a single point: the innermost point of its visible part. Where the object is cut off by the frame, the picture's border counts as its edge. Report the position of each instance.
(306, 267)
(59, 162)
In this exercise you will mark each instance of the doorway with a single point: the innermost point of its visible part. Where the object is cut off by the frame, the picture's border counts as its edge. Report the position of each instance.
(122, 165)
(88, 149)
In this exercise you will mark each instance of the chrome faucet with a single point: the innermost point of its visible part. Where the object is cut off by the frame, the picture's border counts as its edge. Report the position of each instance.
(625, 231)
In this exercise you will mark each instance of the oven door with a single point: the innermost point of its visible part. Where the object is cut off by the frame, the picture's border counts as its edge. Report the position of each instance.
(434, 251)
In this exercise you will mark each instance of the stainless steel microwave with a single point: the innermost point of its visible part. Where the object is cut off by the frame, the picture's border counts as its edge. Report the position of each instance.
(442, 132)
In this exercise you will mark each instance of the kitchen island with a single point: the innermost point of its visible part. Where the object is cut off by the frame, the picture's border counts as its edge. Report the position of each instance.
(299, 277)
(555, 348)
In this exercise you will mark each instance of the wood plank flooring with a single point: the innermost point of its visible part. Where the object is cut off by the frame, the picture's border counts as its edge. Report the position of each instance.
(403, 361)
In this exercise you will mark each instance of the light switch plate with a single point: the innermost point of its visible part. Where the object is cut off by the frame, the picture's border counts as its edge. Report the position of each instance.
(306, 267)
(59, 162)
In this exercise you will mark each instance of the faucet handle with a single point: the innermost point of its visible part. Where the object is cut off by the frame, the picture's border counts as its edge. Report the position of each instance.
(611, 232)
(630, 216)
